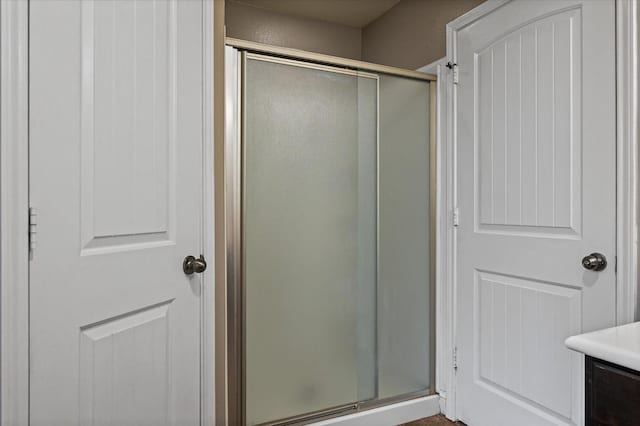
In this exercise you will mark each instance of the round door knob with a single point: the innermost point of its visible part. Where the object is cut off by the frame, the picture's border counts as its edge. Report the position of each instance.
(594, 262)
(191, 265)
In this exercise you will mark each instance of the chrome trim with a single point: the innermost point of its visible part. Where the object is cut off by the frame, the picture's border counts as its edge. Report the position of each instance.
(433, 213)
(241, 215)
(309, 65)
(233, 248)
(314, 416)
(353, 408)
(320, 58)
(376, 302)
(376, 403)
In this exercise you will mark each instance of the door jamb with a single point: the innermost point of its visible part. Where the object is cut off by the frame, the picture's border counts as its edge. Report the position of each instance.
(14, 205)
(14, 223)
(444, 233)
(627, 133)
(210, 24)
(627, 39)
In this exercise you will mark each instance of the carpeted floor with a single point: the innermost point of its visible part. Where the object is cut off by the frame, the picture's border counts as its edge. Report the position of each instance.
(438, 420)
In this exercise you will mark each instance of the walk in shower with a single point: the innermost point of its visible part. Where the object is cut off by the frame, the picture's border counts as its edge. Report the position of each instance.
(330, 244)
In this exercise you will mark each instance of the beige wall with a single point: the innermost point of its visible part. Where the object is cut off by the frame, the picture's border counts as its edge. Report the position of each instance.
(263, 26)
(412, 33)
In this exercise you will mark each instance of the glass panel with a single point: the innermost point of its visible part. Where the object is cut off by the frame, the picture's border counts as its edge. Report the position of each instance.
(309, 239)
(405, 325)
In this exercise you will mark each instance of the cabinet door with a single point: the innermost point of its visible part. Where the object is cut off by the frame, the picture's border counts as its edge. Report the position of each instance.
(612, 394)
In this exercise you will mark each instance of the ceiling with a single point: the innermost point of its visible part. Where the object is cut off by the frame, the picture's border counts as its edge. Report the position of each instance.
(354, 13)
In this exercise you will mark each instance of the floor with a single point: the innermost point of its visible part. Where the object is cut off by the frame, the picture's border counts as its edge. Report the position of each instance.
(438, 420)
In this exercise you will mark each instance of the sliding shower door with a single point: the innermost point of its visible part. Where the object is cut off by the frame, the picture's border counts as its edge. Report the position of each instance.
(406, 331)
(335, 284)
(309, 237)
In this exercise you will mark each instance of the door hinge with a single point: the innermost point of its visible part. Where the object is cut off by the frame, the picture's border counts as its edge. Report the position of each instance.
(33, 224)
(455, 217)
(454, 68)
(455, 359)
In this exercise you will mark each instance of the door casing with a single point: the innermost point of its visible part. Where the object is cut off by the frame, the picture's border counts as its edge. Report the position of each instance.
(627, 131)
(14, 221)
(14, 203)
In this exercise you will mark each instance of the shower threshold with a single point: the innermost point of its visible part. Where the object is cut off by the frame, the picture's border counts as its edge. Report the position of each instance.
(318, 417)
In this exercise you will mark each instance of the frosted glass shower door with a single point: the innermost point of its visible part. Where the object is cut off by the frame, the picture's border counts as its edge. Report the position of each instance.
(310, 223)
(405, 271)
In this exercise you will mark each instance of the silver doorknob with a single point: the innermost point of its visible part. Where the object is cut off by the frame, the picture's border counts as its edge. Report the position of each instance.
(594, 262)
(191, 265)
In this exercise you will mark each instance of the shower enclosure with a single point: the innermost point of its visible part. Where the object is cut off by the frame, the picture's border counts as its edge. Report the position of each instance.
(329, 229)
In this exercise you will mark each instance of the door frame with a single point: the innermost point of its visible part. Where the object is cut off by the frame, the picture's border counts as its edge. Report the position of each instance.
(627, 133)
(14, 217)
(229, 390)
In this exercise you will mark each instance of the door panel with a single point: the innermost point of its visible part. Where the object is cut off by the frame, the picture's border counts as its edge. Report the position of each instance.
(528, 116)
(115, 156)
(404, 292)
(536, 193)
(309, 237)
(128, 121)
(124, 370)
(522, 324)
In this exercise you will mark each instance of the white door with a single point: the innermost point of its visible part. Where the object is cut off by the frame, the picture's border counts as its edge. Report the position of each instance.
(116, 178)
(536, 193)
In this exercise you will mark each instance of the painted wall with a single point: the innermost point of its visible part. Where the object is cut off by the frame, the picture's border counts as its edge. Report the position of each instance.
(264, 26)
(412, 33)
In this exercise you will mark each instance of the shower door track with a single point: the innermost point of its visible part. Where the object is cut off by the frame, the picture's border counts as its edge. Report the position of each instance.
(232, 395)
(319, 58)
(315, 415)
(342, 410)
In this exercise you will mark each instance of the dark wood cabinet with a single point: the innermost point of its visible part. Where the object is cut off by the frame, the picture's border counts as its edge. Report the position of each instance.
(612, 394)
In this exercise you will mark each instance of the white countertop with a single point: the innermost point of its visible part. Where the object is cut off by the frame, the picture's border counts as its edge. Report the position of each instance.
(619, 345)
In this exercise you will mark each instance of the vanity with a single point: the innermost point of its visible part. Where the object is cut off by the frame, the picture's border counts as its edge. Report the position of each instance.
(612, 374)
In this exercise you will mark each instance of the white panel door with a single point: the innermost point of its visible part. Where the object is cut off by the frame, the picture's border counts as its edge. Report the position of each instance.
(536, 193)
(116, 178)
